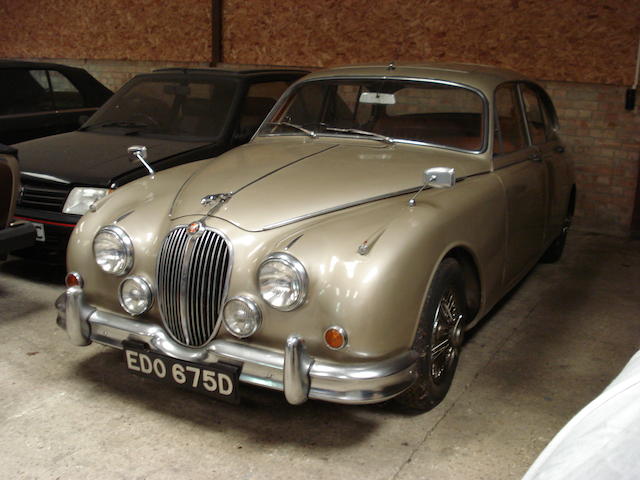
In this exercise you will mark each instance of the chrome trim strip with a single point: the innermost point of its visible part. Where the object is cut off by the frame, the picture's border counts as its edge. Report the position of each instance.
(349, 383)
(43, 176)
(338, 208)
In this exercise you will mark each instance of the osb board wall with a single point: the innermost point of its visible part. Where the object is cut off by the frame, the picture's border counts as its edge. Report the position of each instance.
(569, 40)
(177, 30)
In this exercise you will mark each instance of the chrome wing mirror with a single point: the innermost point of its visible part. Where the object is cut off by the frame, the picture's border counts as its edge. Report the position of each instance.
(440, 177)
(437, 177)
(139, 152)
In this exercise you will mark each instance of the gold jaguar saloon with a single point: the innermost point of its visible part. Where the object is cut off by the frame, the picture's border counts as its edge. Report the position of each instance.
(376, 216)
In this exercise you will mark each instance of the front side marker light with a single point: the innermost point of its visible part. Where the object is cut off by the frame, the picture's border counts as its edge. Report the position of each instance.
(335, 338)
(73, 279)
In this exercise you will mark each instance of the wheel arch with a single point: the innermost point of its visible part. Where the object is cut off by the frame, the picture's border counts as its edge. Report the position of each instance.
(471, 274)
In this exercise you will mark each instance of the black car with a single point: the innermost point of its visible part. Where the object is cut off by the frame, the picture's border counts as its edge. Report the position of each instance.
(179, 115)
(40, 99)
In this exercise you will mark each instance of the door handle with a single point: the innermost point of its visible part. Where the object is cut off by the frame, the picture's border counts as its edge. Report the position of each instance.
(535, 157)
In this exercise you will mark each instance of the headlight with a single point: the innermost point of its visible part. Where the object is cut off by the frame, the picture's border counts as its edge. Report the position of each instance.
(81, 198)
(135, 295)
(283, 281)
(113, 250)
(241, 316)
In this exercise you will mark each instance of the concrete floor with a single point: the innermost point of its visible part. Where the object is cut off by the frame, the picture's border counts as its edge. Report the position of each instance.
(547, 350)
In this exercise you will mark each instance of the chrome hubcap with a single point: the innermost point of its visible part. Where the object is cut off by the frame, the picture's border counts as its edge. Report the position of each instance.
(446, 335)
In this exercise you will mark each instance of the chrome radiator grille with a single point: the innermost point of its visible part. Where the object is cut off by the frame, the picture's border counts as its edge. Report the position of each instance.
(193, 271)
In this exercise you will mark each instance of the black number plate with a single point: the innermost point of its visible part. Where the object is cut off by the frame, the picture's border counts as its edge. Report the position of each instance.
(219, 380)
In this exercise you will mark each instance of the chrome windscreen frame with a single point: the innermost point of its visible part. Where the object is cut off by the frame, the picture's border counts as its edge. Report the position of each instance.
(485, 110)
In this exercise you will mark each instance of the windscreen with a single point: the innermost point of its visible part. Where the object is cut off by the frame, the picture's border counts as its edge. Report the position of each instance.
(178, 107)
(400, 110)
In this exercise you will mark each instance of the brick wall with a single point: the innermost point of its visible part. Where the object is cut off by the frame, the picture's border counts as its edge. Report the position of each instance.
(604, 141)
(602, 138)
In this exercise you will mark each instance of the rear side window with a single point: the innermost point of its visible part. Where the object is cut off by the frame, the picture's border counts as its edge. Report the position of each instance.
(509, 133)
(535, 116)
(24, 91)
(65, 94)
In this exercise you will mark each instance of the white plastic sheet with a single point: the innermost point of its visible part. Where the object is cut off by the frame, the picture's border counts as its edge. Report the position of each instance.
(602, 441)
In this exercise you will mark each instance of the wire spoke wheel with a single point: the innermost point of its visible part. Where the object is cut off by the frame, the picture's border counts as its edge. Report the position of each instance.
(438, 337)
(443, 346)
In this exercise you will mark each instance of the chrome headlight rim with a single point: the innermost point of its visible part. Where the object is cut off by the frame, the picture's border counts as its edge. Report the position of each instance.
(297, 266)
(127, 245)
(255, 309)
(144, 285)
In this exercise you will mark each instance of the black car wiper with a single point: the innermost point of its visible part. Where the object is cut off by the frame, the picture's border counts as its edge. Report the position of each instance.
(311, 133)
(120, 124)
(375, 136)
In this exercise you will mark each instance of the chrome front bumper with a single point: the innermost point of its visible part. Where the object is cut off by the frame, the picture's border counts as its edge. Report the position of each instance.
(291, 370)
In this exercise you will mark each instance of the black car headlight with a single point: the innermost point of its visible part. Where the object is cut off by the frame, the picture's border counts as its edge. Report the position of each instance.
(81, 198)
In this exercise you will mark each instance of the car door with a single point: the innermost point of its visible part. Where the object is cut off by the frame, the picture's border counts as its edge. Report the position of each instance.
(542, 126)
(69, 102)
(521, 169)
(26, 105)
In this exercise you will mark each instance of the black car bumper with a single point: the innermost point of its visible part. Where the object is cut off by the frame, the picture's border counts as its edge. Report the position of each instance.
(16, 236)
(52, 234)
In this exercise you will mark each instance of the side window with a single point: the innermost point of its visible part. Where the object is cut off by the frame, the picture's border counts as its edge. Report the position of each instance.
(261, 97)
(535, 116)
(24, 91)
(65, 94)
(509, 133)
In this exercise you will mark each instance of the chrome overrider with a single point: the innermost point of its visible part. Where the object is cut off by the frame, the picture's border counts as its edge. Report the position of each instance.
(292, 370)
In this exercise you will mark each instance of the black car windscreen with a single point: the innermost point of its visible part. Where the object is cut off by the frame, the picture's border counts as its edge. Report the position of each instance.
(168, 107)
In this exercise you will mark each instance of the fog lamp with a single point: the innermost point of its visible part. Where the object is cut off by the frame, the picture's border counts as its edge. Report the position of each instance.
(241, 316)
(135, 295)
(335, 338)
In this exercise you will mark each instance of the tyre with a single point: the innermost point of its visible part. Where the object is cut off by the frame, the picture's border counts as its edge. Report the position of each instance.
(554, 252)
(438, 338)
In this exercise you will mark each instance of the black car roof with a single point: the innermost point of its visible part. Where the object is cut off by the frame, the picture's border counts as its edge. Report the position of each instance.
(28, 64)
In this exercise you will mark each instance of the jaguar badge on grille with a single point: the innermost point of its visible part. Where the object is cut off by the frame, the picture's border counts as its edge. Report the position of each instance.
(195, 228)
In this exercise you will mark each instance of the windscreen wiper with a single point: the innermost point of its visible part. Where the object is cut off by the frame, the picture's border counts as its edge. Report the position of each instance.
(121, 124)
(311, 133)
(375, 136)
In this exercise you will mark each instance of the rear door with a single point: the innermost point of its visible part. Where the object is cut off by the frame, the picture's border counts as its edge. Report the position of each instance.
(26, 105)
(523, 174)
(542, 126)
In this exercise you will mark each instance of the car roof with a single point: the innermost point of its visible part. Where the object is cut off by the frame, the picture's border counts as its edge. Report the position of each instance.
(240, 73)
(39, 65)
(482, 77)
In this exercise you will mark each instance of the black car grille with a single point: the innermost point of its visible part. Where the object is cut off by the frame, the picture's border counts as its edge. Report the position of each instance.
(49, 197)
(192, 280)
